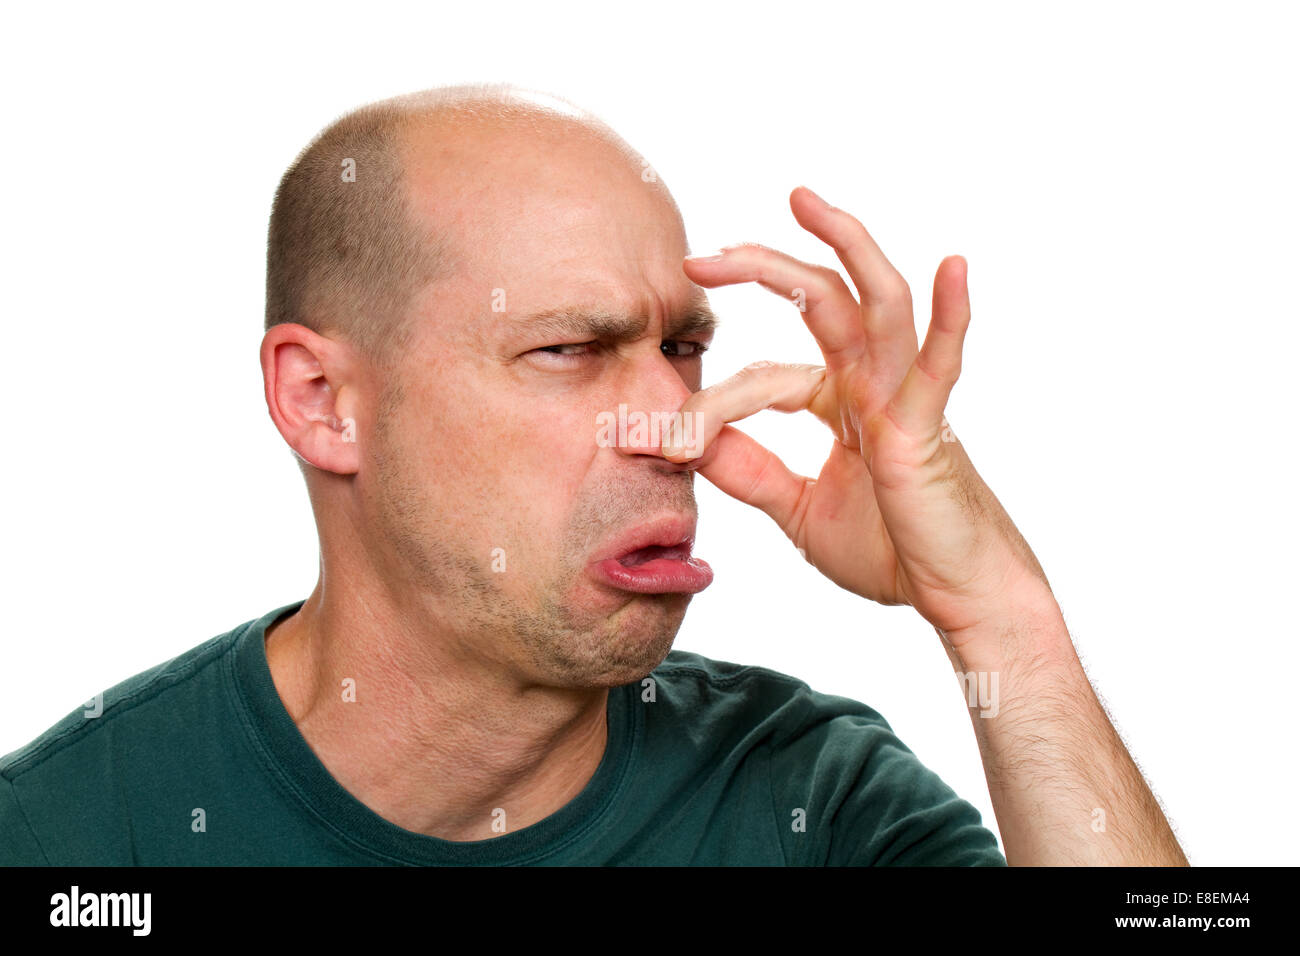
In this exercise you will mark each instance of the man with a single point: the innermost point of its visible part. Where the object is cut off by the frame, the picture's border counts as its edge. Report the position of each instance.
(463, 287)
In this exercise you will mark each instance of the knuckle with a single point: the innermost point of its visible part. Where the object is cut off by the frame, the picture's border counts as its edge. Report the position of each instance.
(830, 280)
(854, 230)
(933, 375)
(896, 295)
(757, 368)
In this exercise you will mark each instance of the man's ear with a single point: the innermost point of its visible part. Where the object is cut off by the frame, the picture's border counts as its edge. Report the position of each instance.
(311, 396)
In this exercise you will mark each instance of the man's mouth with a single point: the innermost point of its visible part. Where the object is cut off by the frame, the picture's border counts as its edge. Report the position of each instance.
(654, 558)
(653, 553)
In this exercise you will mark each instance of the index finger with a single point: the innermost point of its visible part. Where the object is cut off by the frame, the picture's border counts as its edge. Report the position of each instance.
(784, 387)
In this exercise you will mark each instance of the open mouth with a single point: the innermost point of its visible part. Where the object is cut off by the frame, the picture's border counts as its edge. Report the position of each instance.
(653, 557)
(654, 552)
(655, 569)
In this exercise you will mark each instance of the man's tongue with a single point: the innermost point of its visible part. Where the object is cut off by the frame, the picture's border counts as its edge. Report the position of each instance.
(650, 553)
(656, 569)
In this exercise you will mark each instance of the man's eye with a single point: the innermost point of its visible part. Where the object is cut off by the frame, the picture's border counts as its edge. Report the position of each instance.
(674, 349)
(558, 355)
(575, 353)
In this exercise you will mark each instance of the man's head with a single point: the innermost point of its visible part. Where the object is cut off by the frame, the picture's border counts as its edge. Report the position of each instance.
(501, 270)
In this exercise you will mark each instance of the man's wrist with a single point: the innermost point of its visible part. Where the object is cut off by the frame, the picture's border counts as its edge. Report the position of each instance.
(1028, 626)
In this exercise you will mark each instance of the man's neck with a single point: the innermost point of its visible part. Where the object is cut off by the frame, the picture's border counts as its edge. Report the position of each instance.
(428, 739)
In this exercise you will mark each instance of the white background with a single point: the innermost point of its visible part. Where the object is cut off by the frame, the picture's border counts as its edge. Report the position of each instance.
(1120, 177)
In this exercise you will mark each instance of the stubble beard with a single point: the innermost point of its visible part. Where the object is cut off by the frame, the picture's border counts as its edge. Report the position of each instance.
(540, 635)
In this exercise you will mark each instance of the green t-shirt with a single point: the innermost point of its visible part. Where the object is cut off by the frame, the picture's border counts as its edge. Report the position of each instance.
(197, 762)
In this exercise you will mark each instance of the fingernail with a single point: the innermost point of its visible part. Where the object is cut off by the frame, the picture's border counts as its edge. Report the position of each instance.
(675, 449)
(711, 257)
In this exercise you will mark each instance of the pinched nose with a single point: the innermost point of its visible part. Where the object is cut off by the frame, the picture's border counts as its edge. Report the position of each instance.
(648, 415)
(638, 431)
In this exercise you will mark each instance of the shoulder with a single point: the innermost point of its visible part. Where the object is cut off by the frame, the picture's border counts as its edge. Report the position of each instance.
(143, 699)
(786, 703)
(722, 706)
(851, 791)
(65, 795)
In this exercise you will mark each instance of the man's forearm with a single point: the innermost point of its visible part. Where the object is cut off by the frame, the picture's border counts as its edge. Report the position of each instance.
(1064, 788)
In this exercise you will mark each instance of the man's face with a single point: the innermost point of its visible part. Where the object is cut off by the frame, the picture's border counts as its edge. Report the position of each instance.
(492, 495)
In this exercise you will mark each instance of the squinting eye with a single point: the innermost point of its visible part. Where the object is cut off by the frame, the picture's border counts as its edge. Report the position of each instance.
(570, 354)
(670, 349)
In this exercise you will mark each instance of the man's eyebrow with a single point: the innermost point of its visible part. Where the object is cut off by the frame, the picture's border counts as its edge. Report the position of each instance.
(698, 319)
(594, 322)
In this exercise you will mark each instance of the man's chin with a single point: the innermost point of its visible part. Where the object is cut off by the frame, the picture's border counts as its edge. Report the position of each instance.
(630, 642)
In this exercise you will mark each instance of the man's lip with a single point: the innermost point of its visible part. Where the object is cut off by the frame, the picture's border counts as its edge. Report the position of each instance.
(669, 569)
(664, 531)
(655, 576)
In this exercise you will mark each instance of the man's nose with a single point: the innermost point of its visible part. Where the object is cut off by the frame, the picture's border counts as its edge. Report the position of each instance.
(647, 410)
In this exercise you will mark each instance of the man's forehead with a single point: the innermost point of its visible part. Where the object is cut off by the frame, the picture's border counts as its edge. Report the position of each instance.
(459, 157)
(568, 239)
(546, 178)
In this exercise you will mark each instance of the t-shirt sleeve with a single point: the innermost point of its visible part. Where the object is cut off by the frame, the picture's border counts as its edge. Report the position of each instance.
(18, 844)
(867, 800)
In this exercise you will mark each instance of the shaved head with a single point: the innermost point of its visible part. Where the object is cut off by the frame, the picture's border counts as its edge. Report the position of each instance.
(347, 249)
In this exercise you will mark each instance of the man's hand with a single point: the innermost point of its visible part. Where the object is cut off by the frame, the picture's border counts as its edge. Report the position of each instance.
(898, 514)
